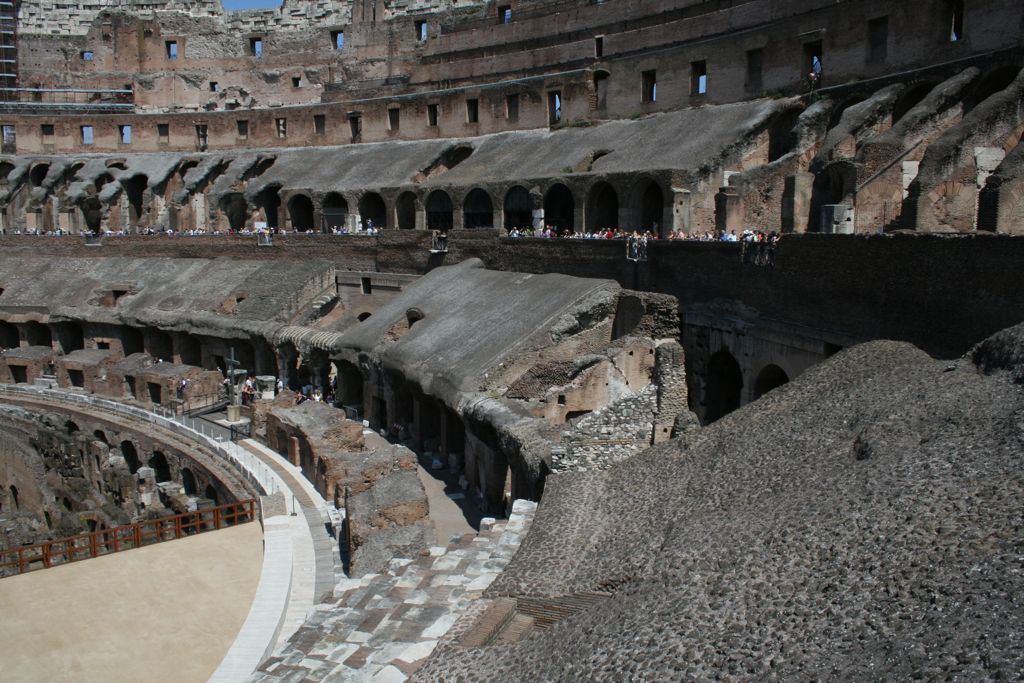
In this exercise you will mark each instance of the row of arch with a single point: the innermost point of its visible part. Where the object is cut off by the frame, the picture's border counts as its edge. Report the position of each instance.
(598, 207)
(724, 384)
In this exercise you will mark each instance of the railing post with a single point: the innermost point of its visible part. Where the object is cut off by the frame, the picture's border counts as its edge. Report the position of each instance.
(216, 518)
(137, 535)
(92, 544)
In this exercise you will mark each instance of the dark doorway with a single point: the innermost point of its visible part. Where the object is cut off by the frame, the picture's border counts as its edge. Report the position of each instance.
(131, 456)
(769, 378)
(234, 207)
(154, 391)
(405, 211)
(559, 209)
(134, 189)
(300, 213)
(518, 208)
(439, 211)
(161, 469)
(724, 386)
(37, 334)
(188, 481)
(478, 210)
(651, 211)
(335, 212)
(602, 208)
(270, 203)
(9, 337)
(373, 211)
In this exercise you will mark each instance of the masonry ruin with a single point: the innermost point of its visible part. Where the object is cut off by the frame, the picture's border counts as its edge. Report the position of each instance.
(405, 224)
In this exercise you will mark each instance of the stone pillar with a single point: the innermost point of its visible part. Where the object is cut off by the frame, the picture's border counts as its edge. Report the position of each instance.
(729, 209)
(293, 451)
(421, 217)
(681, 216)
(796, 201)
(285, 361)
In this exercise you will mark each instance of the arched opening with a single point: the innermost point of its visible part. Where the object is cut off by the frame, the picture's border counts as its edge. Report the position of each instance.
(236, 209)
(560, 209)
(405, 211)
(910, 99)
(71, 427)
(92, 213)
(518, 208)
(834, 184)
(650, 211)
(724, 384)
(439, 211)
(335, 211)
(131, 456)
(162, 471)
(9, 338)
(160, 345)
(770, 377)
(38, 174)
(602, 208)
(300, 213)
(101, 436)
(14, 496)
(994, 82)
(210, 493)
(478, 210)
(37, 334)
(270, 203)
(134, 189)
(188, 481)
(363, 316)
(350, 388)
(5, 170)
(781, 138)
(372, 211)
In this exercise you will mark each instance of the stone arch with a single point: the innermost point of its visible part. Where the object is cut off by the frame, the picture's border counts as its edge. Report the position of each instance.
(161, 468)
(159, 344)
(910, 98)
(101, 436)
(770, 377)
(478, 210)
(834, 184)
(70, 336)
(37, 175)
(518, 208)
(335, 211)
(131, 456)
(439, 211)
(190, 350)
(405, 211)
(5, 170)
(188, 481)
(602, 207)
(300, 212)
(993, 82)
(560, 209)
(92, 213)
(38, 334)
(210, 493)
(781, 135)
(723, 387)
(372, 208)
(840, 109)
(649, 206)
(270, 203)
(132, 341)
(234, 206)
(135, 189)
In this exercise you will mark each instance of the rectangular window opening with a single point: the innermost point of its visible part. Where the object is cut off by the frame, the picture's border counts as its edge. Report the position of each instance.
(649, 86)
(366, 285)
(554, 106)
(9, 140)
(472, 111)
(319, 124)
(699, 78)
(202, 136)
(338, 39)
(242, 127)
(296, 81)
(432, 110)
(87, 55)
(214, 86)
(599, 46)
(47, 130)
(505, 14)
(171, 46)
(256, 47)
(813, 67)
(956, 29)
(394, 119)
(755, 70)
(421, 30)
(281, 127)
(355, 125)
(124, 133)
(87, 137)
(163, 132)
(878, 40)
(512, 107)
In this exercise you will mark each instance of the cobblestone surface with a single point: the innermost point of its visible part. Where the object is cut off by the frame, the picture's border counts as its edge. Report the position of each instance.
(382, 626)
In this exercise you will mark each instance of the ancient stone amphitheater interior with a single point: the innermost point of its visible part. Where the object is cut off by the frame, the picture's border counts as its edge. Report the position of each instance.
(526, 340)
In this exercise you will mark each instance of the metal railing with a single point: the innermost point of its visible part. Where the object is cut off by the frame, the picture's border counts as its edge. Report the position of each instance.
(53, 553)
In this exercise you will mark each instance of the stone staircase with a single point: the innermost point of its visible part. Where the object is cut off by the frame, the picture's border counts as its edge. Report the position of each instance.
(382, 627)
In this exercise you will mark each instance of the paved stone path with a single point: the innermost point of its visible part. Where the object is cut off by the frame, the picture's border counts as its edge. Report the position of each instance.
(382, 626)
